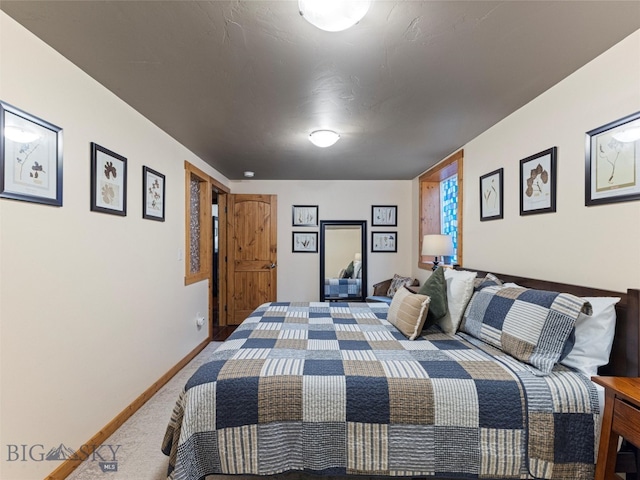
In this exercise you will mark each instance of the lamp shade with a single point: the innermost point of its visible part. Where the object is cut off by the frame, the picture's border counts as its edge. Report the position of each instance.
(323, 138)
(333, 15)
(437, 245)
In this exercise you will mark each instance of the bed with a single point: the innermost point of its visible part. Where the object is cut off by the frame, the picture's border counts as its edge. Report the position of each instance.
(336, 389)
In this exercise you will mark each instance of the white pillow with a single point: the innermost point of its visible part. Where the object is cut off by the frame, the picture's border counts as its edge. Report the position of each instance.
(459, 291)
(357, 269)
(594, 336)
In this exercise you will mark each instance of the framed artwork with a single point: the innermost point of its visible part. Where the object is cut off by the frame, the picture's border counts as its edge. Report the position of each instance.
(153, 194)
(612, 162)
(538, 183)
(108, 181)
(384, 215)
(491, 195)
(384, 241)
(306, 242)
(305, 216)
(30, 157)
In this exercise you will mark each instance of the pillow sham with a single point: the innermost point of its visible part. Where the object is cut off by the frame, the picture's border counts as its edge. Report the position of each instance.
(489, 280)
(435, 287)
(357, 269)
(530, 325)
(397, 282)
(459, 291)
(408, 312)
(593, 336)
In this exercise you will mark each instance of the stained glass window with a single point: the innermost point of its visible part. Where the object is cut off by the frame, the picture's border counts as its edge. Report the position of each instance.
(449, 205)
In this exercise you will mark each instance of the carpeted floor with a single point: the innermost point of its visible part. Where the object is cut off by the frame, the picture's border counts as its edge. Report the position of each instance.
(139, 456)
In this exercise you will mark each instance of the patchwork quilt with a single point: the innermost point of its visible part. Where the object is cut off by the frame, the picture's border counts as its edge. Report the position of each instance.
(342, 287)
(334, 389)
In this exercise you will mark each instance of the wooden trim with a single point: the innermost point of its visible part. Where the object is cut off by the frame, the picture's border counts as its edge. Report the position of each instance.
(68, 466)
(219, 186)
(205, 225)
(429, 193)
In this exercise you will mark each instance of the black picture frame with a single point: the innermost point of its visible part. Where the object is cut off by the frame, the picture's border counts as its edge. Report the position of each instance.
(612, 162)
(384, 215)
(31, 142)
(492, 195)
(108, 181)
(538, 182)
(304, 215)
(153, 194)
(384, 242)
(304, 242)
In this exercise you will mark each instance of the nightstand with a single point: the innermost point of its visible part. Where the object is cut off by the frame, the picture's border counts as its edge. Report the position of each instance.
(621, 417)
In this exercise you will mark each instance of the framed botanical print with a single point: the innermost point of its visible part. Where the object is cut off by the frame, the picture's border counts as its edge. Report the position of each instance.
(384, 215)
(306, 242)
(491, 195)
(108, 181)
(30, 157)
(538, 183)
(304, 216)
(612, 162)
(384, 241)
(153, 194)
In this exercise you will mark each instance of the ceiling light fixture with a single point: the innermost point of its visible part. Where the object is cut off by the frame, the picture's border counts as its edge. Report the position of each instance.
(323, 138)
(333, 15)
(249, 174)
(20, 135)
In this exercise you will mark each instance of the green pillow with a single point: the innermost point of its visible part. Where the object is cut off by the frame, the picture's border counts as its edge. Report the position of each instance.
(436, 288)
(348, 272)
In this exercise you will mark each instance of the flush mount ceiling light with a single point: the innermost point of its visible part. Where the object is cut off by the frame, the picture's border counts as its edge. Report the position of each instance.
(20, 135)
(323, 138)
(249, 174)
(333, 15)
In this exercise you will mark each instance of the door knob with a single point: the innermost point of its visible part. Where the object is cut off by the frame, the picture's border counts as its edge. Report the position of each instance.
(273, 265)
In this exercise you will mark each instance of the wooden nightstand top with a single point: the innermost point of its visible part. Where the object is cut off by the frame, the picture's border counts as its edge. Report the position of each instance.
(627, 388)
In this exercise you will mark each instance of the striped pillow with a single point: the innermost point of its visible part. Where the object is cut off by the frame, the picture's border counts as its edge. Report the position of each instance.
(530, 325)
(408, 312)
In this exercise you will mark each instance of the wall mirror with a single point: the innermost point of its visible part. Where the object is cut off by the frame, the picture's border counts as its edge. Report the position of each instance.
(343, 260)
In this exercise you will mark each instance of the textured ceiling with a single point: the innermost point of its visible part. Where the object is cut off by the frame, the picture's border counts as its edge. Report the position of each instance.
(242, 83)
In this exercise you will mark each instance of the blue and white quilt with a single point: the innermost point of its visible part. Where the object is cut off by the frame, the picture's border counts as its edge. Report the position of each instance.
(342, 288)
(335, 389)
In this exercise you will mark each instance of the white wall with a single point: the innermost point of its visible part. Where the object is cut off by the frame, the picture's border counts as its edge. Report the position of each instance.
(93, 307)
(298, 273)
(597, 246)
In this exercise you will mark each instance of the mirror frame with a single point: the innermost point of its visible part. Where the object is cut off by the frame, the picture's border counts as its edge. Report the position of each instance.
(363, 246)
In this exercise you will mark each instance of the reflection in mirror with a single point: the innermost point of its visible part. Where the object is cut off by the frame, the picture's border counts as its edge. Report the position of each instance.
(343, 260)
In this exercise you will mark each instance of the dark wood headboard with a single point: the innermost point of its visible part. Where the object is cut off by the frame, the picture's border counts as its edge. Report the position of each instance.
(625, 354)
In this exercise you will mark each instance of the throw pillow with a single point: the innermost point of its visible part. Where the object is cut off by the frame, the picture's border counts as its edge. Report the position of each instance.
(593, 336)
(348, 272)
(459, 291)
(408, 312)
(397, 282)
(357, 269)
(436, 288)
(530, 325)
(490, 280)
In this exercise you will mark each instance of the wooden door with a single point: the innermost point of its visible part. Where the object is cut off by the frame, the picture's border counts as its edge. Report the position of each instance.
(252, 254)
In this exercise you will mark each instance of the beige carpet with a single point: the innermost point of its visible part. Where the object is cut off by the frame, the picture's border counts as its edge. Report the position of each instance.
(140, 438)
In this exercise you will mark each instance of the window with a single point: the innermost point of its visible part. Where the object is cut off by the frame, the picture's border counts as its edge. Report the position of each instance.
(441, 205)
(198, 224)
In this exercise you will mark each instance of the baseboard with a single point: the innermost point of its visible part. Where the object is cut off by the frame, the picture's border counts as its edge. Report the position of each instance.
(68, 466)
